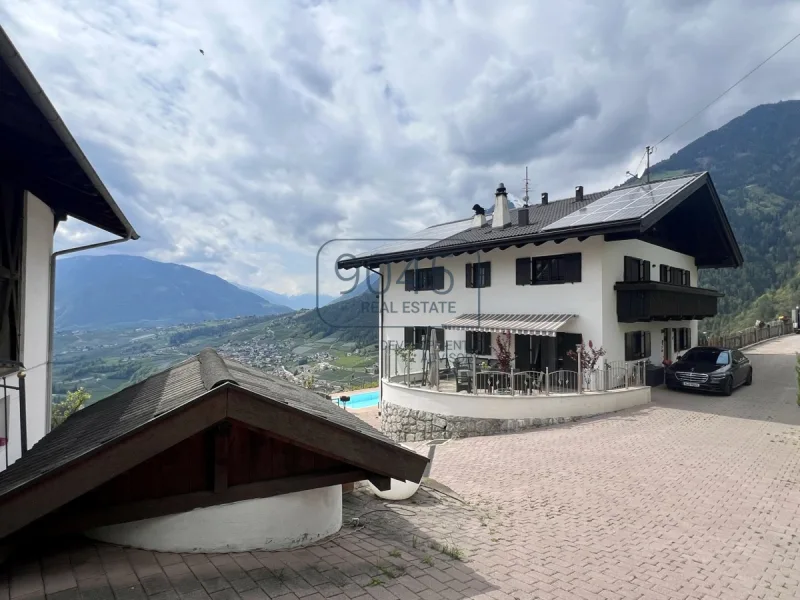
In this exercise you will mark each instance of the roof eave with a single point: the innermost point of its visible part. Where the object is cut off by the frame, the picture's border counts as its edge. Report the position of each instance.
(501, 243)
(17, 65)
(704, 179)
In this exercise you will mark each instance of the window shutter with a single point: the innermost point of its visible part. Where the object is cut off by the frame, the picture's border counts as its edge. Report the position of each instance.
(628, 345)
(470, 345)
(573, 270)
(631, 272)
(409, 280)
(469, 276)
(663, 273)
(438, 278)
(408, 334)
(487, 274)
(646, 344)
(523, 271)
(486, 342)
(645, 270)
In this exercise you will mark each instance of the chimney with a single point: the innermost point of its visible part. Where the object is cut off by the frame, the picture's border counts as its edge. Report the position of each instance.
(479, 220)
(501, 216)
(544, 197)
(522, 216)
(579, 193)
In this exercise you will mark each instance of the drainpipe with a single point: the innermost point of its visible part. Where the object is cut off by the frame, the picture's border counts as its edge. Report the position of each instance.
(380, 340)
(52, 316)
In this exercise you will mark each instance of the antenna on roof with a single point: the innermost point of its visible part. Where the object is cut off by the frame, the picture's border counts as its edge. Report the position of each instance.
(648, 151)
(526, 181)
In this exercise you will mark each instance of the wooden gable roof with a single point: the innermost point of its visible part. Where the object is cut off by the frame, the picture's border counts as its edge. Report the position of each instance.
(215, 421)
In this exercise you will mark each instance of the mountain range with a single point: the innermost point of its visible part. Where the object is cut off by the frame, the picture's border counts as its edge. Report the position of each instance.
(117, 290)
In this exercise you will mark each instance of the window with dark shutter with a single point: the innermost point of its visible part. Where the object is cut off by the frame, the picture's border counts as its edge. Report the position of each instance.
(469, 275)
(470, 343)
(663, 274)
(438, 278)
(637, 345)
(408, 336)
(410, 280)
(636, 269)
(524, 271)
(485, 279)
(11, 210)
(631, 269)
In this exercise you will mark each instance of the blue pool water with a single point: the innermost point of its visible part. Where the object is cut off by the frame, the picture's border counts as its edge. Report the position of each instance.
(362, 399)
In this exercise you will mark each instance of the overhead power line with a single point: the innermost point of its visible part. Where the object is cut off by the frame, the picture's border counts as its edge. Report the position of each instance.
(718, 98)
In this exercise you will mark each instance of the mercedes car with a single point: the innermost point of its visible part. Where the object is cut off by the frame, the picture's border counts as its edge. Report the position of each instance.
(709, 369)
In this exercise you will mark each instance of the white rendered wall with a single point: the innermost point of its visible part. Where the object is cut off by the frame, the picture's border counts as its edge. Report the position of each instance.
(37, 248)
(514, 407)
(593, 299)
(280, 522)
(502, 296)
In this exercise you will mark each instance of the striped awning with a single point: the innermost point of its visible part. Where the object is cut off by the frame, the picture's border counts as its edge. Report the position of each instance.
(522, 324)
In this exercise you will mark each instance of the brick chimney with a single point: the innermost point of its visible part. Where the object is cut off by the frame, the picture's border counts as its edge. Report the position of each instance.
(501, 217)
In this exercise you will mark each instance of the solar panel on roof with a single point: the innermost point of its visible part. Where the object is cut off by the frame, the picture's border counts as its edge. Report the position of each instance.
(627, 203)
(421, 239)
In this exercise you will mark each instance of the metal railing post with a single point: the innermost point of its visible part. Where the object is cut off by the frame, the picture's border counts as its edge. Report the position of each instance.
(512, 380)
(547, 381)
(474, 375)
(580, 369)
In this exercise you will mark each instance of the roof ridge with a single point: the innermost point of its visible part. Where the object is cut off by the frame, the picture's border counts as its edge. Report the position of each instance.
(213, 370)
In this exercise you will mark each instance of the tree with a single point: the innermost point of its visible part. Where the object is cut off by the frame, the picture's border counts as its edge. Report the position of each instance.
(589, 357)
(74, 401)
(503, 351)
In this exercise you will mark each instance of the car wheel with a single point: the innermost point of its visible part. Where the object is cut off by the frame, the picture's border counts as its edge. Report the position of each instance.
(749, 380)
(727, 387)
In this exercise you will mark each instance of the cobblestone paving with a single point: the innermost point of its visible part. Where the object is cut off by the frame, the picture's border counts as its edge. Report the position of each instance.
(691, 497)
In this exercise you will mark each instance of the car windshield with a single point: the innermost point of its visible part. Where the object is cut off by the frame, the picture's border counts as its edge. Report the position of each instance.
(707, 355)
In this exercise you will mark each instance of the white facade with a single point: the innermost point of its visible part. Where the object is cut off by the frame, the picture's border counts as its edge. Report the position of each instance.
(277, 523)
(592, 299)
(38, 230)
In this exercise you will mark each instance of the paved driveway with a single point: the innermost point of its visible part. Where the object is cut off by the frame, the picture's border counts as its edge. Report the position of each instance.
(691, 497)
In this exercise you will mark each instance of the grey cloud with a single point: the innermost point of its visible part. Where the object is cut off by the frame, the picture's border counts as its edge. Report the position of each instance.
(510, 115)
(312, 120)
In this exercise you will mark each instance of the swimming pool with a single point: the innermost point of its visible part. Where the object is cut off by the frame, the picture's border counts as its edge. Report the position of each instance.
(362, 399)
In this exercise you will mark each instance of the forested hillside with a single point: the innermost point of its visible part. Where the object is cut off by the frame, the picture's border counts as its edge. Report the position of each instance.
(754, 161)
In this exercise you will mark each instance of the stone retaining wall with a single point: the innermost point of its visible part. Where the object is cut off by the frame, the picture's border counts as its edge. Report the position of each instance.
(409, 425)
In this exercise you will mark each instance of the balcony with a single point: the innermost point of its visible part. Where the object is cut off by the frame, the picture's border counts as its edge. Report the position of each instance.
(655, 301)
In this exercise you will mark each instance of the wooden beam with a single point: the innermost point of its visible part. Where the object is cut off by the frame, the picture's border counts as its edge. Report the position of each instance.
(221, 443)
(63, 523)
(319, 435)
(384, 484)
(78, 477)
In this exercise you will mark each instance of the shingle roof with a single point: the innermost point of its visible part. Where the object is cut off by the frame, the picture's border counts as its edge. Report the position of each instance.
(539, 216)
(140, 404)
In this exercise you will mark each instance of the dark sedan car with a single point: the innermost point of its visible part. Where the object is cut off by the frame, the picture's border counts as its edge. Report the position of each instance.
(710, 369)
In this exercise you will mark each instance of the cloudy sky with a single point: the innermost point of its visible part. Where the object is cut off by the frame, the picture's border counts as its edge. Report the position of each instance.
(311, 120)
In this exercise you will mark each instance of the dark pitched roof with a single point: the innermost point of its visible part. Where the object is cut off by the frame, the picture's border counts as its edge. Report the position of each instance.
(40, 152)
(472, 239)
(137, 406)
